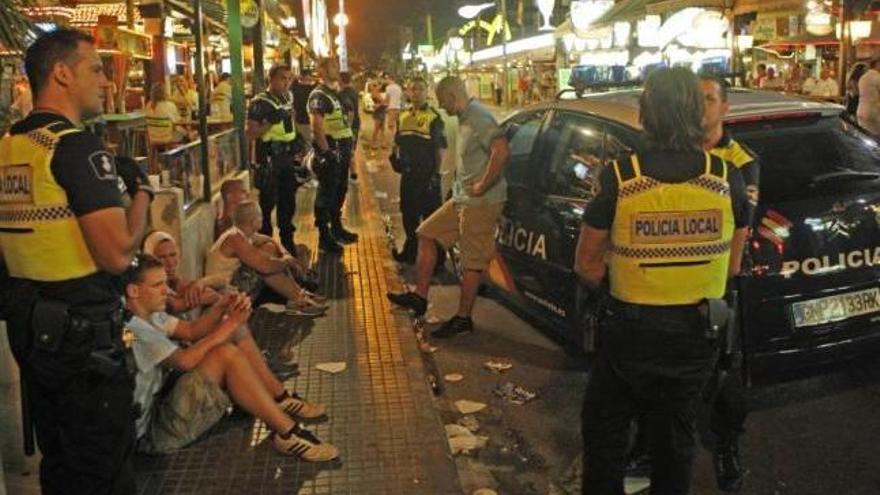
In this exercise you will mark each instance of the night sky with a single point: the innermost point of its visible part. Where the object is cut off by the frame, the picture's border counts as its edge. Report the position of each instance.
(374, 23)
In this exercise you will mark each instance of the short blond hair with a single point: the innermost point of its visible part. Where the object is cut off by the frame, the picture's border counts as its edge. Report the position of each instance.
(246, 211)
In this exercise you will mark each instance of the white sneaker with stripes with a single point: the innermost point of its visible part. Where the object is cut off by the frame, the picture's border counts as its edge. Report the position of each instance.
(307, 450)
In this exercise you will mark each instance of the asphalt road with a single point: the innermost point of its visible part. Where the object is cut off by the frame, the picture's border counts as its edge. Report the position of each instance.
(811, 436)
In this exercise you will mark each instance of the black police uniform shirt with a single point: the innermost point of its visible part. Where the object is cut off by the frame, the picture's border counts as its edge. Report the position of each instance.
(320, 103)
(348, 97)
(260, 110)
(420, 154)
(79, 166)
(664, 166)
(301, 94)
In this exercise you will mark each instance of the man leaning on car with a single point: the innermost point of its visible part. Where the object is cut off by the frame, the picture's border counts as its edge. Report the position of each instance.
(672, 221)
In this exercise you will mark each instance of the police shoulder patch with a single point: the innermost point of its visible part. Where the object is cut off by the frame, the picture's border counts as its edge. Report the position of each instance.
(103, 165)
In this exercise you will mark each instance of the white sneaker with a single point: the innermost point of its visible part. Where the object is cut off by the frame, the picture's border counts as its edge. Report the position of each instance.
(296, 407)
(307, 450)
(304, 307)
(316, 298)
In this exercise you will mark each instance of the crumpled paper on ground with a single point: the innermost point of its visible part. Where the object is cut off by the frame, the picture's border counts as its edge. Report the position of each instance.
(469, 406)
(463, 441)
(514, 394)
(498, 364)
(453, 377)
(332, 367)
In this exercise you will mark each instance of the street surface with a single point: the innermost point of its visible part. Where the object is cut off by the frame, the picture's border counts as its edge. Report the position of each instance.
(812, 436)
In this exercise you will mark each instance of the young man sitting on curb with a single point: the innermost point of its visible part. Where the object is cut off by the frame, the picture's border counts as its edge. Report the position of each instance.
(223, 358)
(184, 295)
(232, 193)
(236, 260)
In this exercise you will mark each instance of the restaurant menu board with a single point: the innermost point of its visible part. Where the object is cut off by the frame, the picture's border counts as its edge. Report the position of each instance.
(124, 41)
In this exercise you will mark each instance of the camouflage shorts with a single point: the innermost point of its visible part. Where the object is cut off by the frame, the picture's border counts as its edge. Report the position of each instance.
(191, 408)
(247, 280)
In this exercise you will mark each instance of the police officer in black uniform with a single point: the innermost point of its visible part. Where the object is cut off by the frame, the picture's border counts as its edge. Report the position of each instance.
(729, 407)
(65, 237)
(279, 150)
(420, 144)
(332, 137)
(672, 221)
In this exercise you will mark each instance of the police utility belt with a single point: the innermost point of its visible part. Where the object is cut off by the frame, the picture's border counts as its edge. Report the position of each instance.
(275, 148)
(55, 321)
(716, 315)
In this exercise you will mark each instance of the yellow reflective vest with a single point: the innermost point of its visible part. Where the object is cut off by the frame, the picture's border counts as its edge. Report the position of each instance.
(39, 234)
(278, 132)
(670, 242)
(335, 125)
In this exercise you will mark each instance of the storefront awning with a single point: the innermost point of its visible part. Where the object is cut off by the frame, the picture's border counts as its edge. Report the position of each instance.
(627, 10)
(86, 14)
(761, 6)
(665, 6)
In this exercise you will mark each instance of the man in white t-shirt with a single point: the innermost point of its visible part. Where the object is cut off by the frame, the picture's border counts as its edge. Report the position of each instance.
(825, 87)
(222, 358)
(868, 112)
(394, 97)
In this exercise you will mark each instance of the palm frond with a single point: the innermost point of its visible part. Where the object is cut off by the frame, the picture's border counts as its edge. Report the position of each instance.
(15, 26)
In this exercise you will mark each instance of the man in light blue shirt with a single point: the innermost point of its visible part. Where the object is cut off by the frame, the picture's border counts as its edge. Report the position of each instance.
(470, 216)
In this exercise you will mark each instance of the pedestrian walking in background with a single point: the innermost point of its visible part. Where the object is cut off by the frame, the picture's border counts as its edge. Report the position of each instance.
(394, 99)
(868, 111)
(852, 88)
(380, 109)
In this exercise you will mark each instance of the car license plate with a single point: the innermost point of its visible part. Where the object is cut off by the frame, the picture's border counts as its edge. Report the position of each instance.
(836, 308)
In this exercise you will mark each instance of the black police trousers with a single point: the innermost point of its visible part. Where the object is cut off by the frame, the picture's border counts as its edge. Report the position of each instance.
(333, 184)
(729, 408)
(280, 191)
(419, 198)
(84, 420)
(653, 363)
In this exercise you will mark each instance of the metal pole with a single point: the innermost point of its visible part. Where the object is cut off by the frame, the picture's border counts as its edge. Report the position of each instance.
(198, 32)
(430, 30)
(343, 48)
(233, 15)
(504, 53)
(844, 51)
(259, 70)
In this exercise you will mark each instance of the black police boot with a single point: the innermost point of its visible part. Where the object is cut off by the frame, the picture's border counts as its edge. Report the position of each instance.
(728, 470)
(407, 254)
(342, 235)
(327, 242)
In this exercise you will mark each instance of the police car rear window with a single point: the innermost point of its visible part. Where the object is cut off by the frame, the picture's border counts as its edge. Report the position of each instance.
(794, 152)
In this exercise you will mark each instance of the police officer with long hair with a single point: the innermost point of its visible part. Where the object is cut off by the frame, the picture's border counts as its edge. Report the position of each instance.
(65, 237)
(671, 221)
